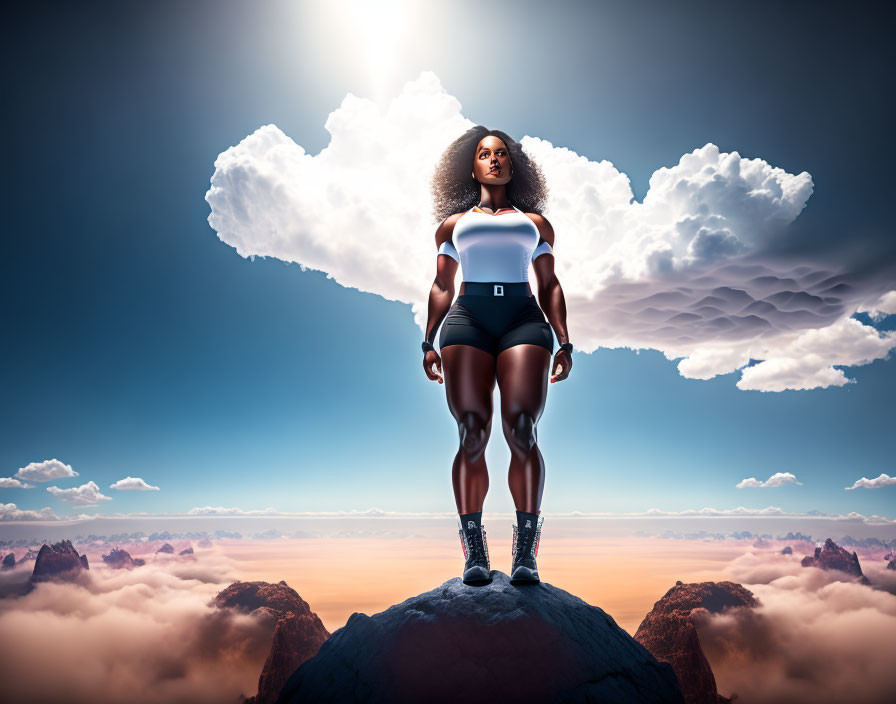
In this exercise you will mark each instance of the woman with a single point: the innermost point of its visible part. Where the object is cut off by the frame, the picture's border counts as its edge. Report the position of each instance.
(489, 197)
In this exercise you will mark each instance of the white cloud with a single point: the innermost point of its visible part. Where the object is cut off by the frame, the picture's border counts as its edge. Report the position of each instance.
(46, 471)
(877, 483)
(885, 305)
(85, 495)
(9, 512)
(687, 271)
(222, 511)
(777, 479)
(133, 484)
(11, 483)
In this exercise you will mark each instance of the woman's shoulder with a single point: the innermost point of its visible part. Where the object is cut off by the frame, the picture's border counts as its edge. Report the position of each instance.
(545, 229)
(445, 230)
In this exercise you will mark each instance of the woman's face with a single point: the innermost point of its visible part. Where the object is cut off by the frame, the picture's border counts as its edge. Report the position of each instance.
(491, 162)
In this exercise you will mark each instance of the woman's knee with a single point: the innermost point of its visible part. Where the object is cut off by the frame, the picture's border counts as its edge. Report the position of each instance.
(520, 432)
(474, 432)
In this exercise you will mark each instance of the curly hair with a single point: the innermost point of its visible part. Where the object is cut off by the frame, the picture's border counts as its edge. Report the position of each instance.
(454, 190)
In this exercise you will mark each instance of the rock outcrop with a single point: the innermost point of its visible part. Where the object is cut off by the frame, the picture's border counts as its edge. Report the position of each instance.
(166, 548)
(58, 562)
(787, 551)
(298, 635)
(891, 565)
(669, 633)
(9, 561)
(833, 557)
(188, 551)
(492, 643)
(121, 559)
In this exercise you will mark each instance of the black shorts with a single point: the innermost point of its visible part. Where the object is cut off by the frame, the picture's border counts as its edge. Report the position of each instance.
(494, 323)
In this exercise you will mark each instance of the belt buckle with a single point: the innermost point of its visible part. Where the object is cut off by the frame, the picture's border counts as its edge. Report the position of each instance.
(499, 290)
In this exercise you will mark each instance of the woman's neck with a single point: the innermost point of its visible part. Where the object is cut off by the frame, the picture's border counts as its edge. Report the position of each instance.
(493, 197)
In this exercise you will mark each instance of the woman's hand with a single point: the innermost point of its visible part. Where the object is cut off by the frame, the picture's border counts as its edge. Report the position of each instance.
(562, 365)
(432, 357)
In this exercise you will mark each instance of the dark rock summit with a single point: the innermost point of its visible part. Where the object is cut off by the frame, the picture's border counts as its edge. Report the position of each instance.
(668, 632)
(58, 562)
(166, 548)
(787, 551)
(891, 565)
(493, 643)
(121, 559)
(9, 561)
(298, 634)
(833, 557)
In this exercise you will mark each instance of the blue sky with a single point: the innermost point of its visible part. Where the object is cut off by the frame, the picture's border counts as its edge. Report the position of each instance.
(137, 343)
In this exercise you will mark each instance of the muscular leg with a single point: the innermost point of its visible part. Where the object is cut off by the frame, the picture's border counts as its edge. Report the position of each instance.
(523, 373)
(469, 382)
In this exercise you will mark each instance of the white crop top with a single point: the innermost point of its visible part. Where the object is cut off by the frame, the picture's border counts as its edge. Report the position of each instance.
(495, 247)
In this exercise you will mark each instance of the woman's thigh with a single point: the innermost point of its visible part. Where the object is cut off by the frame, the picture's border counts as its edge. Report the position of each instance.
(469, 374)
(523, 375)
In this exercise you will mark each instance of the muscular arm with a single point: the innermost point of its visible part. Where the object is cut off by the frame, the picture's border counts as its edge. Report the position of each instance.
(442, 293)
(550, 294)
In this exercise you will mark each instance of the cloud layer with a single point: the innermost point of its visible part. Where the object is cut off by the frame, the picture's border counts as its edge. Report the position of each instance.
(817, 637)
(146, 636)
(688, 271)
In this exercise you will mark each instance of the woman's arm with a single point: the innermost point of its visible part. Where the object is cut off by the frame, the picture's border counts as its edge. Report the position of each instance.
(550, 295)
(441, 295)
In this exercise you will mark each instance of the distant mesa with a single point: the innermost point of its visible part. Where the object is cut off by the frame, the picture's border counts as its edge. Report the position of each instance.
(188, 551)
(166, 548)
(121, 559)
(669, 633)
(833, 557)
(205, 543)
(9, 561)
(493, 643)
(58, 562)
(787, 551)
(298, 635)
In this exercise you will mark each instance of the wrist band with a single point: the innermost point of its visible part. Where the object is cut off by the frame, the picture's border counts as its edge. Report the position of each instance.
(566, 346)
(427, 347)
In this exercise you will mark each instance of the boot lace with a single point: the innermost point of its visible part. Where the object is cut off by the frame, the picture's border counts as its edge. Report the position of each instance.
(525, 543)
(474, 544)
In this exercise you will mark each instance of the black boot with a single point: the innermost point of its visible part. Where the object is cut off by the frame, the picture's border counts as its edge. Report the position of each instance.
(472, 539)
(525, 548)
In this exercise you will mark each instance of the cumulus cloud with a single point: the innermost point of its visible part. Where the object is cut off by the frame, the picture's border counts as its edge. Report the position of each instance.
(85, 495)
(147, 635)
(777, 479)
(9, 512)
(876, 483)
(11, 483)
(817, 636)
(46, 471)
(133, 484)
(688, 271)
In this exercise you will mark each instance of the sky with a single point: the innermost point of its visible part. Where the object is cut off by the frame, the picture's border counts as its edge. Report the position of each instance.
(199, 303)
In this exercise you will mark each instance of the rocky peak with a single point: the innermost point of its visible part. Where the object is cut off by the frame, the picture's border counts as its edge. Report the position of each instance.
(832, 557)
(121, 559)
(492, 643)
(669, 633)
(9, 561)
(166, 548)
(59, 562)
(298, 634)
